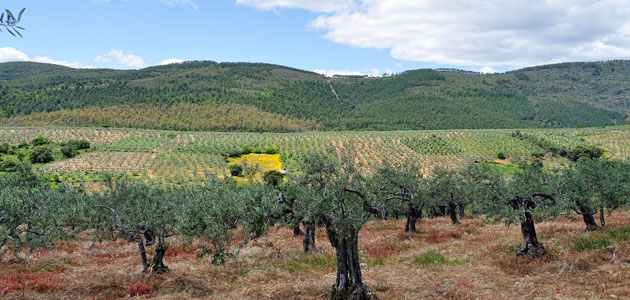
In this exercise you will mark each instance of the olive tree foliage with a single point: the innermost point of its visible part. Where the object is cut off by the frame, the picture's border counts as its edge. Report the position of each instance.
(32, 215)
(145, 215)
(11, 22)
(592, 185)
(528, 195)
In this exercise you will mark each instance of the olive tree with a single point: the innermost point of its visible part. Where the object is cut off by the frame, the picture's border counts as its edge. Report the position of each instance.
(343, 200)
(214, 210)
(404, 185)
(140, 213)
(32, 214)
(592, 185)
(530, 192)
(446, 188)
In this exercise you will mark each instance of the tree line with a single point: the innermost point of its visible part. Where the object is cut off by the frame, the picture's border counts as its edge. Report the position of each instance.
(329, 192)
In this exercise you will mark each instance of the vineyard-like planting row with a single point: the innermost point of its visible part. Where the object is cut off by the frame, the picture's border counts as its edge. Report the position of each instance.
(190, 156)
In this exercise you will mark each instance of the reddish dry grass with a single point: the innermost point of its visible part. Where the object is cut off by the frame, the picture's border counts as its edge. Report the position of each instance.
(275, 268)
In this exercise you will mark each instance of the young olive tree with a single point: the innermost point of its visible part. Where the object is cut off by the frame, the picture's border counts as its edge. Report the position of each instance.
(142, 214)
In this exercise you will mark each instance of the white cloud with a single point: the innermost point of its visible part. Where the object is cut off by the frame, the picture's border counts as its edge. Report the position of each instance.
(372, 72)
(11, 54)
(495, 33)
(488, 70)
(326, 6)
(48, 60)
(125, 59)
(171, 61)
(183, 3)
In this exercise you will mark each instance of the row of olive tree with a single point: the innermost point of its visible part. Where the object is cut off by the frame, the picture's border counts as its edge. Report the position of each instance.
(326, 192)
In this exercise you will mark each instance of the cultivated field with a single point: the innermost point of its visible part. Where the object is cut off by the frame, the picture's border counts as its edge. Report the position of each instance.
(178, 157)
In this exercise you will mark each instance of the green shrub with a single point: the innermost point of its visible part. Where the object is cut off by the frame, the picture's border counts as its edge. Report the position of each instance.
(234, 153)
(236, 170)
(171, 135)
(23, 145)
(585, 152)
(501, 155)
(4, 148)
(258, 150)
(246, 150)
(40, 140)
(68, 151)
(270, 150)
(41, 154)
(273, 177)
(79, 144)
(8, 165)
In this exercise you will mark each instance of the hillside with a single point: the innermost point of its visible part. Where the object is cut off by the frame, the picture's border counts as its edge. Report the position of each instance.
(561, 95)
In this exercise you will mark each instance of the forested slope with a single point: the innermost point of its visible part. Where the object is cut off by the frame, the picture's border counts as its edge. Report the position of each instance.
(562, 95)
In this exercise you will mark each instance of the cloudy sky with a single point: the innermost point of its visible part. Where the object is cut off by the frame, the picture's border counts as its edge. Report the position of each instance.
(328, 36)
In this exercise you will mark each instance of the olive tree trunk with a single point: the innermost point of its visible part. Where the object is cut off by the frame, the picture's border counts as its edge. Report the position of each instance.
(157, 265)
(349, 284)
(309, 237)
(413, 214)
(587, 215)
(601, 217)
(532, 246)
(452, 211)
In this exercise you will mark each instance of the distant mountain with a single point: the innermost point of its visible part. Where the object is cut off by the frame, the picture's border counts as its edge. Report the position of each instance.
(560, 95)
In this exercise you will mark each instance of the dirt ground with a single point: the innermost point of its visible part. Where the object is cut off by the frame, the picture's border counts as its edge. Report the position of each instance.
(476, 260)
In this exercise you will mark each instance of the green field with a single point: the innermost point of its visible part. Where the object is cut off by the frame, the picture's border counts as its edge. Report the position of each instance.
(179, 157)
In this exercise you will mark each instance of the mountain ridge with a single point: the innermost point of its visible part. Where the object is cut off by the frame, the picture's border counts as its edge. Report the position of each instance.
(559, 95)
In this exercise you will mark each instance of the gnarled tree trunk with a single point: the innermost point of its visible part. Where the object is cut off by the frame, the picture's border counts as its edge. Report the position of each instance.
(309, 237)
(452, 211)
(157, 265)
(349, 284)
(412, 216)
(601, 217)
(143, 253)
(587, 215)
(532, 246)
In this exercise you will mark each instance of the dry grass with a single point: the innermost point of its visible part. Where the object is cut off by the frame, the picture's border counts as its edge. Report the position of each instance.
(479, 262)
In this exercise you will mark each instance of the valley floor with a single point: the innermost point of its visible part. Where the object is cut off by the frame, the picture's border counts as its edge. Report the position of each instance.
(474, 260)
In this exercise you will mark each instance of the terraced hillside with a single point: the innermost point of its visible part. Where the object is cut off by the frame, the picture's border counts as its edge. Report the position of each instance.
(177, 157)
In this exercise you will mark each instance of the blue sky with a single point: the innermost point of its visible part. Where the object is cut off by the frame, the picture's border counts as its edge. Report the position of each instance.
(333, 36)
